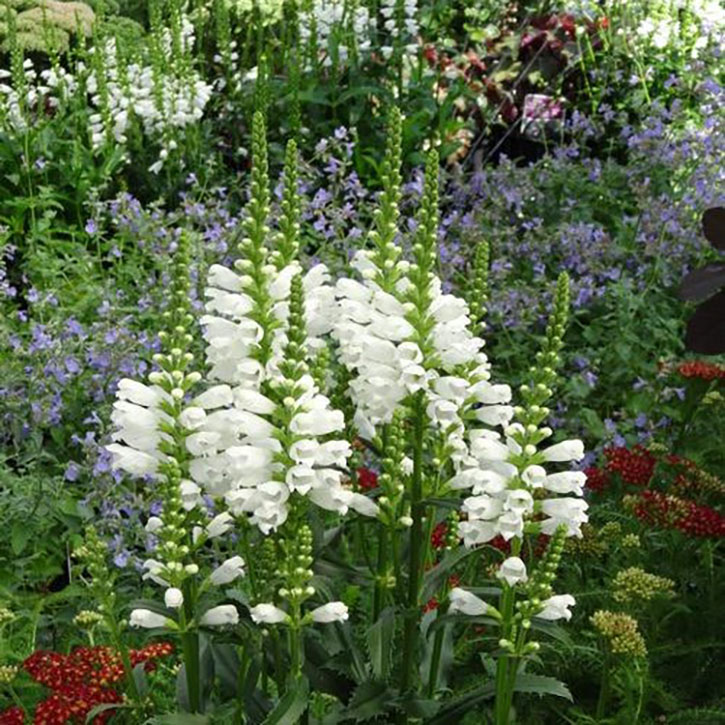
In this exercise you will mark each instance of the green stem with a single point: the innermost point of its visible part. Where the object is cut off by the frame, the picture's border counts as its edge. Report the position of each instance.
(506, 666)
(435, 661)
(603, 689)
(190, 649)
(382, 574)
(415, 563)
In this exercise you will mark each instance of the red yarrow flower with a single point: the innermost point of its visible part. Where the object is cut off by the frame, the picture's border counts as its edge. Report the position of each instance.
(702, 370)
(13, 716)
(367, 479)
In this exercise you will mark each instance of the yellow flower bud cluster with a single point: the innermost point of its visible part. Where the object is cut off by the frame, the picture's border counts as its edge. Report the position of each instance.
(590, 543)
(630, 541)
(5, 615)
(635, 585)
(87, 619)
(7, 673)
(621, 632)
(611, 531)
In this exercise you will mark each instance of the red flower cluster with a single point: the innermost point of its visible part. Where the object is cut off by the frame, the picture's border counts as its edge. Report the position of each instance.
(80, 681)
(438, 537)
(13, 716)
(671, 512)
(635, 466)
(658, 507)
(367, 479)
(702, 370)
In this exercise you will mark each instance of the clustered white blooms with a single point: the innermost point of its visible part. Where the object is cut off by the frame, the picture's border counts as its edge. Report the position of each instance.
(237, 449)
(39, 91)
(375, 343)
(325, 614)
(161, 102)
(400, 22)
(327, 21)
(690, 24)
(503, 495)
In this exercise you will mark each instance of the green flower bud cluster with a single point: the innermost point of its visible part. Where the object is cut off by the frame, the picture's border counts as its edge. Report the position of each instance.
(254, 263)
(286, 241)
(636, 586)
(478, 292)
(102, 582)
(630, 541)
(544, 373)
(87, 619)
(386, 253)
(393, 447)
(540, 588)
(294, 570)
(452, 537)
(425, 255)
(6, 615)
(621, 633)
(8, 673)
(267, 578)
(320, 368)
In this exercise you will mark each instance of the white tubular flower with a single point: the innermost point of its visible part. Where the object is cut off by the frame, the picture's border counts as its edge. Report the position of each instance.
(219, 525)
(153, 524)
(173, 598)
(513, 571)
(228, 571)
(140, 394)
(571, 450)
(154, 570)
(224, 614)
(147, 619)
(330, 612)
(218, 396)
(568, 511)
(557, 607)
(268, 614)
(477, 532)
(566, 482)
(130, 460)
(466, 603)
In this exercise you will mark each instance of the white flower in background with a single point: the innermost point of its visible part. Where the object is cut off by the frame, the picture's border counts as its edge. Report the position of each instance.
(557, 607)
(268, 614)
(173, 598)
(330, 612)
(224, 614)
(513, 571)
(228, 571)
(466, 603)
(148, 620)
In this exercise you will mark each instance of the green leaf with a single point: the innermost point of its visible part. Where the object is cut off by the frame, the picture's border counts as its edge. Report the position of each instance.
(139, 676)
(370, 699)
(180, 718)
(290, 708)
(98, 709)
(19, 536)
(541, 685)
(454, 710)
(380, 639)
(226, 667)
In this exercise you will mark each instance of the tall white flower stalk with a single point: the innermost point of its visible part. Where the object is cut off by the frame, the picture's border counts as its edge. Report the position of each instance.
(420, 383)
(271, 445)
(153, 426)
(515, 492)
